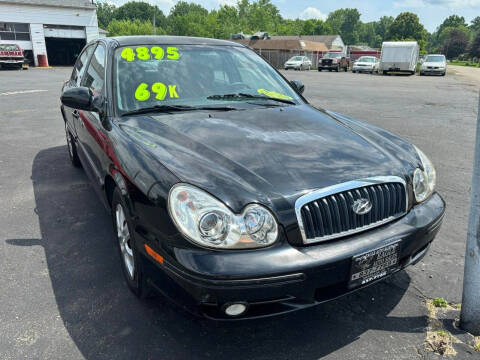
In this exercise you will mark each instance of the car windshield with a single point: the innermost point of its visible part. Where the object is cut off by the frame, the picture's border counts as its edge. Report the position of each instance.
(296, 58)
(333, 55)
(150, 76)
(366, 59)
(9, 47)
(435, 58)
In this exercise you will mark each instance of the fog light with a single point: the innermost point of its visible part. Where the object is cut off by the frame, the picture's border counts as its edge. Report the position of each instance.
(235, 309)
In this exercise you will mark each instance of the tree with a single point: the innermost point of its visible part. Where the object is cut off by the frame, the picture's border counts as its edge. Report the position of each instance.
(142, 11)
(104, 14)
(407, 26)
(452, 21)
(454, 41)
(475, 48)
(382, 26)
(475, 25)
(189, 19)
(131, 27)
(346, 23)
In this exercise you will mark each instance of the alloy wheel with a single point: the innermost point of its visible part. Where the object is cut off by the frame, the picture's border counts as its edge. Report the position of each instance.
(124, 238)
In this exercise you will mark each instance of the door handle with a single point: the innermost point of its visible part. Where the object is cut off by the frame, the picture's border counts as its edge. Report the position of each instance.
(75, 114)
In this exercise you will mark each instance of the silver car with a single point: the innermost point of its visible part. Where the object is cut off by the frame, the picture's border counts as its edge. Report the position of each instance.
(434, 64)
(298, 63)
(366, 64)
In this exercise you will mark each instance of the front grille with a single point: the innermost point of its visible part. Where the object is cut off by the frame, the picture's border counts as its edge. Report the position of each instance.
(327, 61)
(329, 214)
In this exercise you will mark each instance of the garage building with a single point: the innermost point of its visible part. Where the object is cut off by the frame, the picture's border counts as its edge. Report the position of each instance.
(58, 29)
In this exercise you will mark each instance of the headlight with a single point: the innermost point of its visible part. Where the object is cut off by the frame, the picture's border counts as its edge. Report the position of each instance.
(208, 222)
(424, 180)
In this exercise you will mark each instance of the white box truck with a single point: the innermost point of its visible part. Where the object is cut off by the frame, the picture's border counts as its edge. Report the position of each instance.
(399, 56)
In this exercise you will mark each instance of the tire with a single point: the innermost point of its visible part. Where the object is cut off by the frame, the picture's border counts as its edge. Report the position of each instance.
(337, 69)
(330, 70)
(130, 258)
(319, 69)
(72, 148)
(444, 74)
(385, 72)
(354, 71)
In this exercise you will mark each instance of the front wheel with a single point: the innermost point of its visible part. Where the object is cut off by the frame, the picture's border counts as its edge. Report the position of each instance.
(319, 69)
(131, 260)
(72, 148)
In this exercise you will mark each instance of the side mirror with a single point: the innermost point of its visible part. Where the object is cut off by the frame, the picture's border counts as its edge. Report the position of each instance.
(80, 98)
(298, 86)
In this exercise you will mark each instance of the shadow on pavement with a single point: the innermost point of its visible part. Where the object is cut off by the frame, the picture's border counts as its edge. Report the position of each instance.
(106, 321)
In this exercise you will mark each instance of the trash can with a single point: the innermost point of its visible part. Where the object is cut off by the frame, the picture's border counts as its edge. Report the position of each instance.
(42, 60)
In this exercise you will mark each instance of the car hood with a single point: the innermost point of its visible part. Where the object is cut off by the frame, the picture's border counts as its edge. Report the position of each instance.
(437, 64)
(268, 155)
(268, 151)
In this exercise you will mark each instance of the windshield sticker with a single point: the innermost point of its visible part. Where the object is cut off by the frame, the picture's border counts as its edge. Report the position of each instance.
(160, 89)
(144, 53)
(274, 94)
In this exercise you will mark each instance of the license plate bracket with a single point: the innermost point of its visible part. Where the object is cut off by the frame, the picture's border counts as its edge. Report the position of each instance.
(374, 264)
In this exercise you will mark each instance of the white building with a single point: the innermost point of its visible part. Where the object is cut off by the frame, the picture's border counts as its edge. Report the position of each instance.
(56, 28)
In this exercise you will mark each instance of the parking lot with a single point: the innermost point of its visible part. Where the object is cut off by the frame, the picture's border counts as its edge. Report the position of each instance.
(63, 295)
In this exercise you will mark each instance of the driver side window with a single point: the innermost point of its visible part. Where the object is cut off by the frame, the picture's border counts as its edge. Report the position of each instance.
(80, 66)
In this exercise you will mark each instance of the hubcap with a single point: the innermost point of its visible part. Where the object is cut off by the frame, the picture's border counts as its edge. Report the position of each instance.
(124, 241)
(69, 141)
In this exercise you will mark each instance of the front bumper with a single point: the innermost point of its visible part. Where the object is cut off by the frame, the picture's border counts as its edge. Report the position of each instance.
(433, 71)
(328, 66)
(284, 278)
(363, 68)
(295, 67)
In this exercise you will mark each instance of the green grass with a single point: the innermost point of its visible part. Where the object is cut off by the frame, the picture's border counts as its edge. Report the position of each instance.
(442, 333)
(440, 302)
(465, 63)
(477, 347)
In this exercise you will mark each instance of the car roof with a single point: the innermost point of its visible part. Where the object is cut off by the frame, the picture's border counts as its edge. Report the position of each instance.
(168, 40)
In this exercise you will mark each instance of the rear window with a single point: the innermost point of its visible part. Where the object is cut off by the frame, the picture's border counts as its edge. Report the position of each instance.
(9, 47)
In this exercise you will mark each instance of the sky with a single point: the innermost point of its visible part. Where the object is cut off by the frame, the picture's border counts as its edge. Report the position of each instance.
(431, 12)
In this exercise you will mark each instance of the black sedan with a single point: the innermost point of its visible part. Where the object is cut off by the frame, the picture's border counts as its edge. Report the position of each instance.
(229, 193)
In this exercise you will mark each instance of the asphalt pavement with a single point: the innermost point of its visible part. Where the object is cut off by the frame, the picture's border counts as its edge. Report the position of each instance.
(63, 296)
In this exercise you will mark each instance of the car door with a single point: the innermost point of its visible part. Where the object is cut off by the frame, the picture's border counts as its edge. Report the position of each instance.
(91, 134)
(74, 81)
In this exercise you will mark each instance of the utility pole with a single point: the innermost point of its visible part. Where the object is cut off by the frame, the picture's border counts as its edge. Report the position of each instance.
(154, 26)
(470, 316)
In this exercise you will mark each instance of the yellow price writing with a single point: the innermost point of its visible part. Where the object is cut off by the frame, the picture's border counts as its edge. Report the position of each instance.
(145, 53)
(159, 89)
(274, 94)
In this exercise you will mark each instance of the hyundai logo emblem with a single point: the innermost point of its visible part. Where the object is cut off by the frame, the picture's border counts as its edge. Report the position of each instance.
(361, 206)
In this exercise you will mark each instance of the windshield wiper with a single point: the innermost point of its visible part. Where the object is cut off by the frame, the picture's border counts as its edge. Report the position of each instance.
(176, 108)
(240, 96)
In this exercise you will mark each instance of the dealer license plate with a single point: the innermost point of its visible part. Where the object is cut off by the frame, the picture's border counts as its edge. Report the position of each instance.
(374, 265)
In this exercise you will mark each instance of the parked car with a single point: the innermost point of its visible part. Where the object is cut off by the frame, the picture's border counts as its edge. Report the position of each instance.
(228, 191)
(366, 64)
(399, 56)
(434, 64)
(334, 61)
(11, 56)
(298, 63)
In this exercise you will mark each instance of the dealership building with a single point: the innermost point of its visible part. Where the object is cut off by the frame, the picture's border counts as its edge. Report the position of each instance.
(58, 29)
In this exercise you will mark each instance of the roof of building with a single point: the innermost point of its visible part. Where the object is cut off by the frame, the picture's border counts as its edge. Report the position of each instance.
(168, 40)
(326, 39)
(82, 4)
(291, 44)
